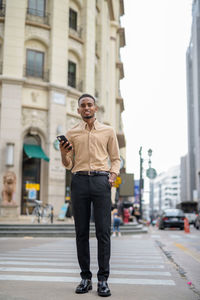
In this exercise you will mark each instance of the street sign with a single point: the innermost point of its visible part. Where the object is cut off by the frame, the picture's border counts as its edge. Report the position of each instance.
(63, 211)
(32, 194)
(151, 173)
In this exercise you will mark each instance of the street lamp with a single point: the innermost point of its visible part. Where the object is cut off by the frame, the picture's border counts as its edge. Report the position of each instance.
(141, 181)
(151, 174)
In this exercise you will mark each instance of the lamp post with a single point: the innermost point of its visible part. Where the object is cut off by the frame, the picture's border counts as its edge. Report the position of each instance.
(141, 181)
(151, 174)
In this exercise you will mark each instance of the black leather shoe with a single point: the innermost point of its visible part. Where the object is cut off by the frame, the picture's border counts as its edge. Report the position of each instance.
(84, 286)
(103, 289)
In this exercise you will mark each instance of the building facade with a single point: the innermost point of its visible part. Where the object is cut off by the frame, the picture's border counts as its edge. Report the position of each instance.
(193, 103)
(50, 53)
(166, 189)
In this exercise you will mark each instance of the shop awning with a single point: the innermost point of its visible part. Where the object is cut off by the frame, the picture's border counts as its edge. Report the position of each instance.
(35, 151)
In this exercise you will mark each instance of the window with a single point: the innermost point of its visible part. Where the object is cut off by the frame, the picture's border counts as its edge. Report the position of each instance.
(71, 74)
(35, 63)
(72, 19)
(37, 7)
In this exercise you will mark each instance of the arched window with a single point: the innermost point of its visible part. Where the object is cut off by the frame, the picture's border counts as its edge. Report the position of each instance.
(36, 60)
(74, 71)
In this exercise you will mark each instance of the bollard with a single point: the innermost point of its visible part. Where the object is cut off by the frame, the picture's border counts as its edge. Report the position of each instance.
(186, 225)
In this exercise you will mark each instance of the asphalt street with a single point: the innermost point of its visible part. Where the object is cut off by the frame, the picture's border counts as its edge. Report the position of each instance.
(159, 265)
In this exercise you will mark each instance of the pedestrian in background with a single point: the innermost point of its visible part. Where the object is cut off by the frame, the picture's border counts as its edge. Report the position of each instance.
(92, 144)
(116, 222)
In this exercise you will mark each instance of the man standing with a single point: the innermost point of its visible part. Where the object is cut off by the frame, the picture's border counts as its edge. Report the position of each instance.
(92, 177)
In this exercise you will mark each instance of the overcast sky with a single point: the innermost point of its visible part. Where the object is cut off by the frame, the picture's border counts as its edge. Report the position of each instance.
(154, 88)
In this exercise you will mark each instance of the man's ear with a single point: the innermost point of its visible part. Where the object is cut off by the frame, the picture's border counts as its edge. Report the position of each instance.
(96, 108)
(78, 111)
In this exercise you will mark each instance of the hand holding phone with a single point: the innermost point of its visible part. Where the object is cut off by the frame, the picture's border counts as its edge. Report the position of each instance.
(62, 138)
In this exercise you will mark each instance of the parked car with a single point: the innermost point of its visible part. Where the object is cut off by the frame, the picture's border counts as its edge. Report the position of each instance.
(197, 221)
(172, 218)
(191, 217)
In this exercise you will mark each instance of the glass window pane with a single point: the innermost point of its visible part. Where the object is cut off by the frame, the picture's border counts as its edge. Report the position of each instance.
(39, 64)
(72, 19)
(41, 7)
(36, 7)
(30, 62)
(71, 74)
(34, 63)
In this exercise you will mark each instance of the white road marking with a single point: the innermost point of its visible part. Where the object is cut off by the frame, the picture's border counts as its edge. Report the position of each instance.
(113, 259)
(175, 236)
(58, 264)
(77, 271)
(77, 279)
(191, 236)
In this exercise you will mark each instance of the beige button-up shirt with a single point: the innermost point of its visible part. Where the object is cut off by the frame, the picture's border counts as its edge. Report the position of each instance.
(92, 149)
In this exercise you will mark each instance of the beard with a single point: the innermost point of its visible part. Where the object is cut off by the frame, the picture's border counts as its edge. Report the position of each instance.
(88, 117)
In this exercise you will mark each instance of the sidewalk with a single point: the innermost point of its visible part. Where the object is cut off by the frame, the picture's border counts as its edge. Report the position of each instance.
(27, 220)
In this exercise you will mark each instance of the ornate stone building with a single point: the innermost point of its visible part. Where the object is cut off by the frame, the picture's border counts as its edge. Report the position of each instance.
(50, 53)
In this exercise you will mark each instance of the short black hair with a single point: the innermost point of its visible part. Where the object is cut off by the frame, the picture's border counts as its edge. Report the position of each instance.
(86, 96)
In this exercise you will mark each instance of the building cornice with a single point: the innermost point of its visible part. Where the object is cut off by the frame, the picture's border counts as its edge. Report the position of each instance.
(37, 84)
(73, 92)
(75, 38)
(34, 107)
(11, 80)
(39, 25)
(73, 115)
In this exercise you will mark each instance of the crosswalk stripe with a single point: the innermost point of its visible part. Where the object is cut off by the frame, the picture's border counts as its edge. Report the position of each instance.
(77, 271)
(77, 279)
(113, 260)
(34, 263)
(141, 264)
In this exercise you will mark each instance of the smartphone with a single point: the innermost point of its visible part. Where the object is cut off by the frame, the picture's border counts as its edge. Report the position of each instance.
(63, 138)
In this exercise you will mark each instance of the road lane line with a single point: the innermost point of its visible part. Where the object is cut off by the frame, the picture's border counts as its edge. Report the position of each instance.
(191, 253)
(77, 279)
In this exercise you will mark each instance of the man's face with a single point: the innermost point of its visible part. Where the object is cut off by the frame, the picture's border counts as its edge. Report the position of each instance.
(87, 108)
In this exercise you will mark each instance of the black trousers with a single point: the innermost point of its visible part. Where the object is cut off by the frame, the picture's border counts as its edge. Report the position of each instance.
(84, 191)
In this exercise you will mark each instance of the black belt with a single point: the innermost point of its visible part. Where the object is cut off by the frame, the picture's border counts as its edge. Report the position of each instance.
(92, 173)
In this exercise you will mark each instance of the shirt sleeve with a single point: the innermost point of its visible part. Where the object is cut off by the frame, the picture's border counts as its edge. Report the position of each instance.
(113, 151)
(70, 154)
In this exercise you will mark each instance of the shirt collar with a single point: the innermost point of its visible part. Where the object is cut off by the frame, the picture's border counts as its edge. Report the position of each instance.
(83, 124)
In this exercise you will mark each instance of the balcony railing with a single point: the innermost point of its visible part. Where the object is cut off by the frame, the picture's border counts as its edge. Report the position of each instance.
(42, 74)
(77, 33)
(37, 16)
(1, 67)
(78, 84)
(2, 10)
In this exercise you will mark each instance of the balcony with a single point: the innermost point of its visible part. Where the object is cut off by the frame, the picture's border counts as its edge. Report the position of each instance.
(122, 40)
(76, 84)
(120, 66)
(39, 74)
(1, 67)
(120, 101)
(77, 33)
(37, 16)
(2, 11)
